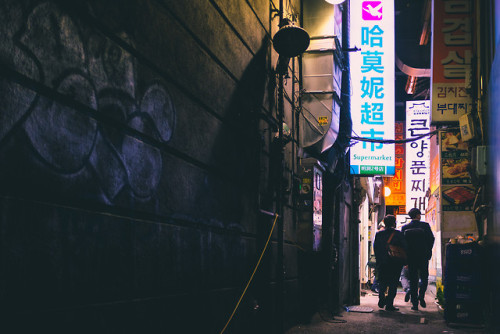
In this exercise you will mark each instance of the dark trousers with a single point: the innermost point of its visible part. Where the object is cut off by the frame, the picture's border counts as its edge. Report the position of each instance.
(388, 277)
(405, 279)
(418, 269)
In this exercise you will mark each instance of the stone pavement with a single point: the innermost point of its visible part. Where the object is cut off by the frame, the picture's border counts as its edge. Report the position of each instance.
(426, 320)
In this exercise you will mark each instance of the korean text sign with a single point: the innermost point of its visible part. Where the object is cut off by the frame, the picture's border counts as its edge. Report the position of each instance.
(372, 78)
(451, 59)
(397, 183)
(417, 154)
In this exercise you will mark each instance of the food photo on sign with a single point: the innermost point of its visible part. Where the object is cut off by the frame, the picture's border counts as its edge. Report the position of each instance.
(458, 198)
(452, 141)
(457, 170)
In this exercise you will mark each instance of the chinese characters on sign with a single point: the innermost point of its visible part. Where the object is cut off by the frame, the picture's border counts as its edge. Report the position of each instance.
(451, 59)
(372, 73)
(417, 154)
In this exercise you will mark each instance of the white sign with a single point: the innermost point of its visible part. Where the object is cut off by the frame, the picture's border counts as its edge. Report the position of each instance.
(418, 162)
(372, 78)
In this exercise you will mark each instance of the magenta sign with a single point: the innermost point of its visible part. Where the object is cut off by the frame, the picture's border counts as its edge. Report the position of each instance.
(372, 10)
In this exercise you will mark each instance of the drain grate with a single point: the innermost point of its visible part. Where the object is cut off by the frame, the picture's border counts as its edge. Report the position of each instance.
(361, 309)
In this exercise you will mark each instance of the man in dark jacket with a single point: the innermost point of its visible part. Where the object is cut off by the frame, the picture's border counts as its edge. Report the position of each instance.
(420, 240)
(388, 268)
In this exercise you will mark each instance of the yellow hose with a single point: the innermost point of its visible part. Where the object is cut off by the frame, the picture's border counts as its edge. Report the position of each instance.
(251, 277)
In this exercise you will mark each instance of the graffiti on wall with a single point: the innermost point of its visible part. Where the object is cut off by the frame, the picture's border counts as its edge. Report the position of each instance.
(48, 46)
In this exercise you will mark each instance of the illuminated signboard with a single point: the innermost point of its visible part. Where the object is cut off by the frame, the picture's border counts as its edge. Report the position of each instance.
(418, 120)
(451, 59)
(397, 183)
(372, 78)
(317, 208)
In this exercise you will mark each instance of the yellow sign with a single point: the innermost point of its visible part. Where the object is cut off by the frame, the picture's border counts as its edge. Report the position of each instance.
(323, 120)
(395, 199)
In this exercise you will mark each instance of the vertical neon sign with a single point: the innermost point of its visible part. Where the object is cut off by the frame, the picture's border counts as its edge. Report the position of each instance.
(372, 79)
(418, 119)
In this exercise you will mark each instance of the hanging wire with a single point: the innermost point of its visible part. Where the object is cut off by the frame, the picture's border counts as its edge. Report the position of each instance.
(253, 274)
(357, 138)
(291, 12)
(401, 141)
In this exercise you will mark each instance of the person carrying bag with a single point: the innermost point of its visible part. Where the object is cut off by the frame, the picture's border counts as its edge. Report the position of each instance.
(398, 253)
(390, 251)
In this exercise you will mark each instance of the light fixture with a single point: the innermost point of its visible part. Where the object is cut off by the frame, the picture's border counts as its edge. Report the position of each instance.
(335, 2)
(387, 191)
(290, 40)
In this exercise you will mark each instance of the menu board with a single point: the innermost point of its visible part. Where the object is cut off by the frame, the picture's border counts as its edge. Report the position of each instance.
(457, 190)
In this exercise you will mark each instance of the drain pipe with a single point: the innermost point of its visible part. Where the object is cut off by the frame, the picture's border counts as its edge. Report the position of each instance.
(280, 270)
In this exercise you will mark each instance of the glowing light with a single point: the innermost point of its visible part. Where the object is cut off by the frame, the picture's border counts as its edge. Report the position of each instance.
(418, 161)
(387, 191)
(372, 79)
(334, 2)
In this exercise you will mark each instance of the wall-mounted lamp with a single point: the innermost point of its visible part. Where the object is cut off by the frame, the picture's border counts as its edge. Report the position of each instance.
(290, 41)
(335, 2)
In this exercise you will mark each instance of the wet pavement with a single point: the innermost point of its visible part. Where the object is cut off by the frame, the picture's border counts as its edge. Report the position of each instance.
(425, 320)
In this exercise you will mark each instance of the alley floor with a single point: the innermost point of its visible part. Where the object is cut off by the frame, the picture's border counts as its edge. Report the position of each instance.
(426, 320)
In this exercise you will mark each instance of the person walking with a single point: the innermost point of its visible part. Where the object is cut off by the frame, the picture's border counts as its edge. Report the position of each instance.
(388, 268)
(420, 241)
(375, 285)
(405, 282)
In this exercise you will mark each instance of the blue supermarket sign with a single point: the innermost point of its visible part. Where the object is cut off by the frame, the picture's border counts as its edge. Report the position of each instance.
(372, 74)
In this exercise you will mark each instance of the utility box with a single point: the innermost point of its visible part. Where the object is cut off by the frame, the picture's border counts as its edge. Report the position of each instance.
(467, 130)
(481, 160)
(463, 283)
(310, 205)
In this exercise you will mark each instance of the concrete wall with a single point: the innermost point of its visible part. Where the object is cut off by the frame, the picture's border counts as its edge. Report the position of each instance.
(133, 164)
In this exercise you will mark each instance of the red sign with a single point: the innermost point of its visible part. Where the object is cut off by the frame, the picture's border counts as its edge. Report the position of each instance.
(397, 182)
(451, 59)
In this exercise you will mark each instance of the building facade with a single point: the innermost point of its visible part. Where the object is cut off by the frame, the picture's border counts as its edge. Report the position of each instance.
(142, 165)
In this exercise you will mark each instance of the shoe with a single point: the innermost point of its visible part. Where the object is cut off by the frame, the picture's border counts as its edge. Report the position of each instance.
(414, 307)
(381, 302)
(422, 303)
(407, 296)
(391, 308)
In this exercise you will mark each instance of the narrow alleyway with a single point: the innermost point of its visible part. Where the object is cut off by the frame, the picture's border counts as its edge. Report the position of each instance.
(426, 320)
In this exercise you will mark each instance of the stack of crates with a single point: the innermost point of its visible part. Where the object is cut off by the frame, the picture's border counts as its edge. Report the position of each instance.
(462, 283)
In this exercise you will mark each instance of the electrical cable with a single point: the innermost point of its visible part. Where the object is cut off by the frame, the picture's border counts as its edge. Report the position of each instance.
(383, 141)
(401, 141)
(251, 277)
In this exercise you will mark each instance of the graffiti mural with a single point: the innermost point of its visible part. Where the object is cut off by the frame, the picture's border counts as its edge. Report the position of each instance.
(46, 45)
